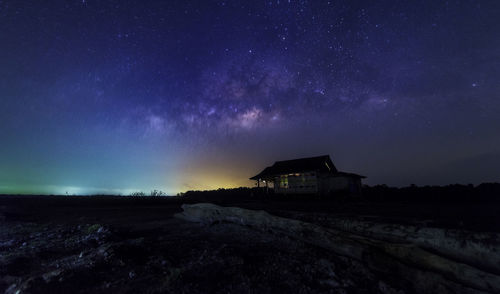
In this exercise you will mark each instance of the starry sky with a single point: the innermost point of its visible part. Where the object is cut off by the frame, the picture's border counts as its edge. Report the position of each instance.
(120, 96)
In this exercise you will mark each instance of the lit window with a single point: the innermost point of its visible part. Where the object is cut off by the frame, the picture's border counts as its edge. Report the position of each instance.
(283, 181)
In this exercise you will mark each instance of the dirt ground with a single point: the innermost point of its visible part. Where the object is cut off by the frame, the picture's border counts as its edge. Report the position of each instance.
(132, 245)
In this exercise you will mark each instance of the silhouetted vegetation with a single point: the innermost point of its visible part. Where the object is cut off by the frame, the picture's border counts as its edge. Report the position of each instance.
(240, 193)
(154, 193)
(485, 192)
(463, 206)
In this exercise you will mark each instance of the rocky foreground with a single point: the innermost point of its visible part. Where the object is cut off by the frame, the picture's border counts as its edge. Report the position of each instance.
(207, 248)
(428, 260)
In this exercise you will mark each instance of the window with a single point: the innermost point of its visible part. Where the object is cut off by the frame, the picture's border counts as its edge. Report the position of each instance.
(283, 181)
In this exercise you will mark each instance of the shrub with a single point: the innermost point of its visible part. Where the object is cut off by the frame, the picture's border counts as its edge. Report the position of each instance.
(157, 193)
(153, 193)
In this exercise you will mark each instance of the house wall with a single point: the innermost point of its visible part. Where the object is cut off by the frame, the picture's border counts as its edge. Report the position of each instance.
(298, 183)
(339, 183)
(315, 183)
(343, 183)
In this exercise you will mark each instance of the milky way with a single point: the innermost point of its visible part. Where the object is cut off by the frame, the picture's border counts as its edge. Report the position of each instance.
(120, 96)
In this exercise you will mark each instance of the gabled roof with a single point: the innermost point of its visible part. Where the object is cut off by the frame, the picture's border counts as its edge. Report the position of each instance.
(344, 174)
(318, 163)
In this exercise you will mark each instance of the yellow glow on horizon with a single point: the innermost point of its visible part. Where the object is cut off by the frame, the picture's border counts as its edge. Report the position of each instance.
(212, 178)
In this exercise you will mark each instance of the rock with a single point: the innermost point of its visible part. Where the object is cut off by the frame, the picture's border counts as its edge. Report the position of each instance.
(7, 243)
(12, 289)
(424, 270)
(31, 285)
(49, 277)
(477, 249)
(386, 289)
(330, 283)
(106, 250)
(94, 228)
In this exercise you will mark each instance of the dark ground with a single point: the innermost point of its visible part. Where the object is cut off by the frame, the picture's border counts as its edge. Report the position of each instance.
(131, 211)
(128, 244)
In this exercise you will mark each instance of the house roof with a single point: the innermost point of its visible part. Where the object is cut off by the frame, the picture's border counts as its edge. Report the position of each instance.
(319, 163)
(344, 174)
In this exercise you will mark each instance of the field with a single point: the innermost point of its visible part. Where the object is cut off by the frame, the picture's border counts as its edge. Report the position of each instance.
(135, 244)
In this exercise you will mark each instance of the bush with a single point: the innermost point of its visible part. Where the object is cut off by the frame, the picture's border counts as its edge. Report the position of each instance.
(154, 193)
(157, 193)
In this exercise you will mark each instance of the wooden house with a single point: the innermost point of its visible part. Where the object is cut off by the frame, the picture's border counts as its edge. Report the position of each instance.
(312, 175)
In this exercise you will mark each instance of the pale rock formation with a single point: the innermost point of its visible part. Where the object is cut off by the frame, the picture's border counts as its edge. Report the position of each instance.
(425, 271)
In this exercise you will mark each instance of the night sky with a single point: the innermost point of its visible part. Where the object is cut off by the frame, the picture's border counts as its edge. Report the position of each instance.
(121, 96)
